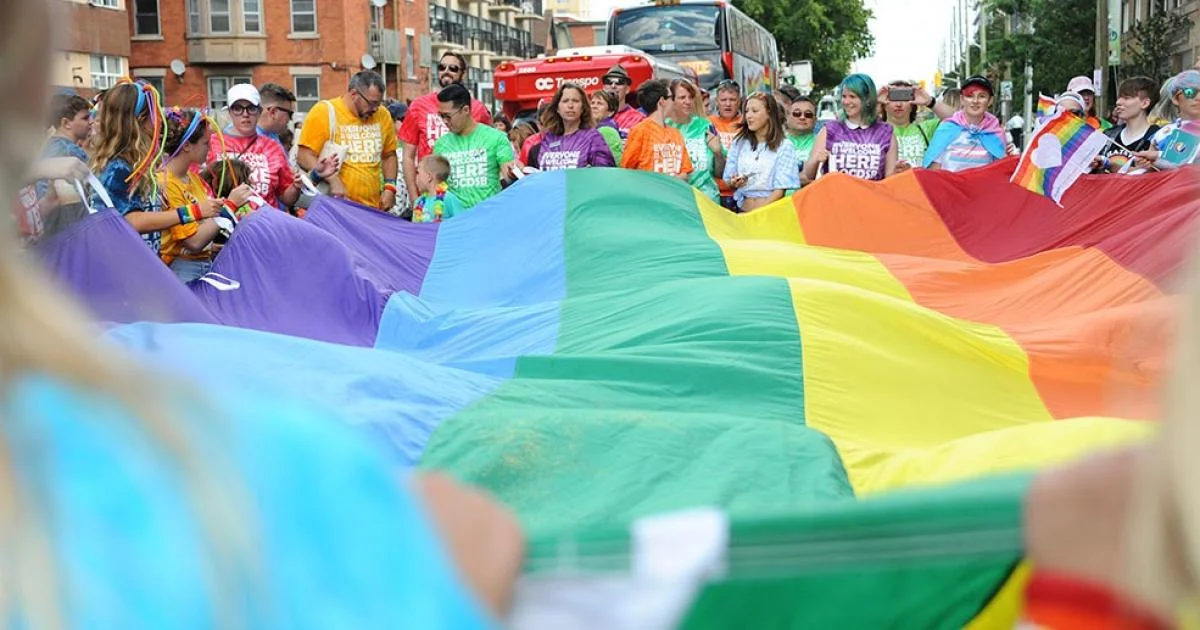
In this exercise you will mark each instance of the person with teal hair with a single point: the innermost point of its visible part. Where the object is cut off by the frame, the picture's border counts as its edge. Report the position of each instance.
(858, 143)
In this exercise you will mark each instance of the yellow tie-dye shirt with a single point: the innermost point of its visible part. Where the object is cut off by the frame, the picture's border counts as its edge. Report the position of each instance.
(366, 144)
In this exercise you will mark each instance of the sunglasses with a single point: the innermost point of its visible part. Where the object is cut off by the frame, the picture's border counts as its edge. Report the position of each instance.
(729, 83)
(245, 109)
(614, 82)
(1189, 92)
(804, 114)
(453, 68)
(285, 110)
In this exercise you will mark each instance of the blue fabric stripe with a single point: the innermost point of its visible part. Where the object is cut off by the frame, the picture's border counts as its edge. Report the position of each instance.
(390, 396)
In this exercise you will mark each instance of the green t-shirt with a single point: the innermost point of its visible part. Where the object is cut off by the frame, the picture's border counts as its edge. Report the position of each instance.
(912, 140)
(613, 138)
(803, 144)
(475, 161)
(695, 137)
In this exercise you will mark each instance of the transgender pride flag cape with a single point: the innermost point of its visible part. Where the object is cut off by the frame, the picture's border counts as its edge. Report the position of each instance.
(844, 392)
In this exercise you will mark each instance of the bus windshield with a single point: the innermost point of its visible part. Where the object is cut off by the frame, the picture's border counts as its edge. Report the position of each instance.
(678, 28)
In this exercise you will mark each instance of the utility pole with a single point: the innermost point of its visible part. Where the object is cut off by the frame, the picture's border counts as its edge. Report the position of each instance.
(1102, 56)
(983, 36)
(1027, 27)
(967, 36)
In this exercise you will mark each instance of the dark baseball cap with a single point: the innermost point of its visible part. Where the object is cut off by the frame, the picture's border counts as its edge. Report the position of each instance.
(397, 110)
(980, 81)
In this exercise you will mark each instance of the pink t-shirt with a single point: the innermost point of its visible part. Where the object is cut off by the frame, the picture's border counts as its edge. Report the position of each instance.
(422, 126)
(270, 173)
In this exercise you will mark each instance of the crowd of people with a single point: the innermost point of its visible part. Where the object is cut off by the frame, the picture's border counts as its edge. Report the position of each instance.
(182, 180)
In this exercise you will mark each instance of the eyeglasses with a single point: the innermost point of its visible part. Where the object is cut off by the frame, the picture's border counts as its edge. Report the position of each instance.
(245, 109)
(615, 82)
(803, 114)
(450, 116)
(370, 104)
(453, 68)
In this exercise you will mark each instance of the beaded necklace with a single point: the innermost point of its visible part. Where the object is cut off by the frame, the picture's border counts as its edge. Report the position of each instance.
(439, 204)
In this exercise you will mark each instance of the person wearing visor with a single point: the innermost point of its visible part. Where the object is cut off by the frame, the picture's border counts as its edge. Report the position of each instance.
(972, 137)
(358, 126)
(1084, 87)
(618, 83)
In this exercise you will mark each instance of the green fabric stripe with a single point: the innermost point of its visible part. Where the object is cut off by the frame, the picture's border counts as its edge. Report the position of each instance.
(680, 394)
(649, 243)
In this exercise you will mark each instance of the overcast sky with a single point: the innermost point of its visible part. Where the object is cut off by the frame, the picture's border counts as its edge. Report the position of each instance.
(908, 36)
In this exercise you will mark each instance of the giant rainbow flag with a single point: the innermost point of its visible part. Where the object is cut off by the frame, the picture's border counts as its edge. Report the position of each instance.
(857, 376)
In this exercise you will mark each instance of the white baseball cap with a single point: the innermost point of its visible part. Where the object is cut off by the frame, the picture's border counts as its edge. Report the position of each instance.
(1080, 85)
(243, 92)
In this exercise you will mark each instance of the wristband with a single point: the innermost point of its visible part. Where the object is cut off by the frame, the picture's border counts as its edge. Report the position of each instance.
(230, 205)
(390, 181)
(189, 213)
(315, 177)
(390, 188)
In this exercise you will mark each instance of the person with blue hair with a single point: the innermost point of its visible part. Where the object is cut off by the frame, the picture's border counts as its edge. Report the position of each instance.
(858, 143)
(1176, 143)
(972, 137)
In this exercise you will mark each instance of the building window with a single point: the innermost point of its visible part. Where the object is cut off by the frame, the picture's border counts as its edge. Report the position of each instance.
(194, 26)
(218, 16)
(159, 84)
(218, 88)
(106, 71)
(304, 16)
(112, 4)
(410, 57)
(252, 16)
(308, 92)
(145, 20)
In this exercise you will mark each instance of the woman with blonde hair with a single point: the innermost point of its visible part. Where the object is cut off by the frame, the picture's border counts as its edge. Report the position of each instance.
(128, 500)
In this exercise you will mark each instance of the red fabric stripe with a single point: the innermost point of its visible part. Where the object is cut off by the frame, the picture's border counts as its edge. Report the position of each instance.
(1149, 232)
(1058, 602)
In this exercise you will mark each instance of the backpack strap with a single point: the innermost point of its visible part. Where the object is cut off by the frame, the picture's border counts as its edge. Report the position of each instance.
(923, 135)
(332, 120)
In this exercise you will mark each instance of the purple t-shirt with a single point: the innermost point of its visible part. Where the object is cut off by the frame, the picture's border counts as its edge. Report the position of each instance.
(858, 151)
(585, 147)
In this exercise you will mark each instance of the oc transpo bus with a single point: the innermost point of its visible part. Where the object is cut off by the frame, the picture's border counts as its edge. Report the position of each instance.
(714, 39)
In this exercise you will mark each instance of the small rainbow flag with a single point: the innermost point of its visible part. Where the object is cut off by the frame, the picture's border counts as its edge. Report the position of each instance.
(1061, 151)
(1045, 106)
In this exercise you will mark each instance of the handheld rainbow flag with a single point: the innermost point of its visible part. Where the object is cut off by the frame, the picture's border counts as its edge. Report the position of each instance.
(1045, 107)
(1061, 151)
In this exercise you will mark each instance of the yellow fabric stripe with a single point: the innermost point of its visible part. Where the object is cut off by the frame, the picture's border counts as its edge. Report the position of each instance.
(769, 242)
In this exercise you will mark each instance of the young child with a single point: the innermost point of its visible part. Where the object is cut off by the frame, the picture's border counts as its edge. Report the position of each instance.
(186, 247)
(436, 202)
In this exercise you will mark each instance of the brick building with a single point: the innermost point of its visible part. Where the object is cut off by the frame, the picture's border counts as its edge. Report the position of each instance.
(310, 46)
(1187, 48)
(95, 53)
(488, 33)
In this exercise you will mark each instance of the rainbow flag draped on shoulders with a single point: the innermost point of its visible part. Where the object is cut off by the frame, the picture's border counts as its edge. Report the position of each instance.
(854, 381)
(1062, 149)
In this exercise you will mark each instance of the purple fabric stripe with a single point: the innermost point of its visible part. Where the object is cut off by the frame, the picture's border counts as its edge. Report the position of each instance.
(296, 279)
(400, 251)
(106, 265)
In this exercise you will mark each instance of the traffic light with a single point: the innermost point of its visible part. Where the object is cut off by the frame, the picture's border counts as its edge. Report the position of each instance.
(937, 79)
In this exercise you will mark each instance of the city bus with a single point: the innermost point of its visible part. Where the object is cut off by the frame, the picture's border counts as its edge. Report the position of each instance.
(712, 38)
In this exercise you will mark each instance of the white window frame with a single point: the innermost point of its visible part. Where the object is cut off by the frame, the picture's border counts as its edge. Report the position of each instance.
(159, 81)
(157, 20)
(195, 23)
(257, 13)
(306, 102)
(293, 13)
(108, 4)
(410, 53)
(227, 13)
(230, 80)
(106, 76)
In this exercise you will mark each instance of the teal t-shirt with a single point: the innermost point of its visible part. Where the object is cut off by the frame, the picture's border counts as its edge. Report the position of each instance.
(913, 139)
(695, 137)
(425, 208)
(338, 540)
(475, 161)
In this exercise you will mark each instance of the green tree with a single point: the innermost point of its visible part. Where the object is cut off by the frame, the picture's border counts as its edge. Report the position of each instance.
(1149, 45)
(1062, 45)
(831, 33)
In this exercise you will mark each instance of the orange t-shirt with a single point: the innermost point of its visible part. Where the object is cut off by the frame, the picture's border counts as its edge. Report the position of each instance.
(727, 130)
(655, 147)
